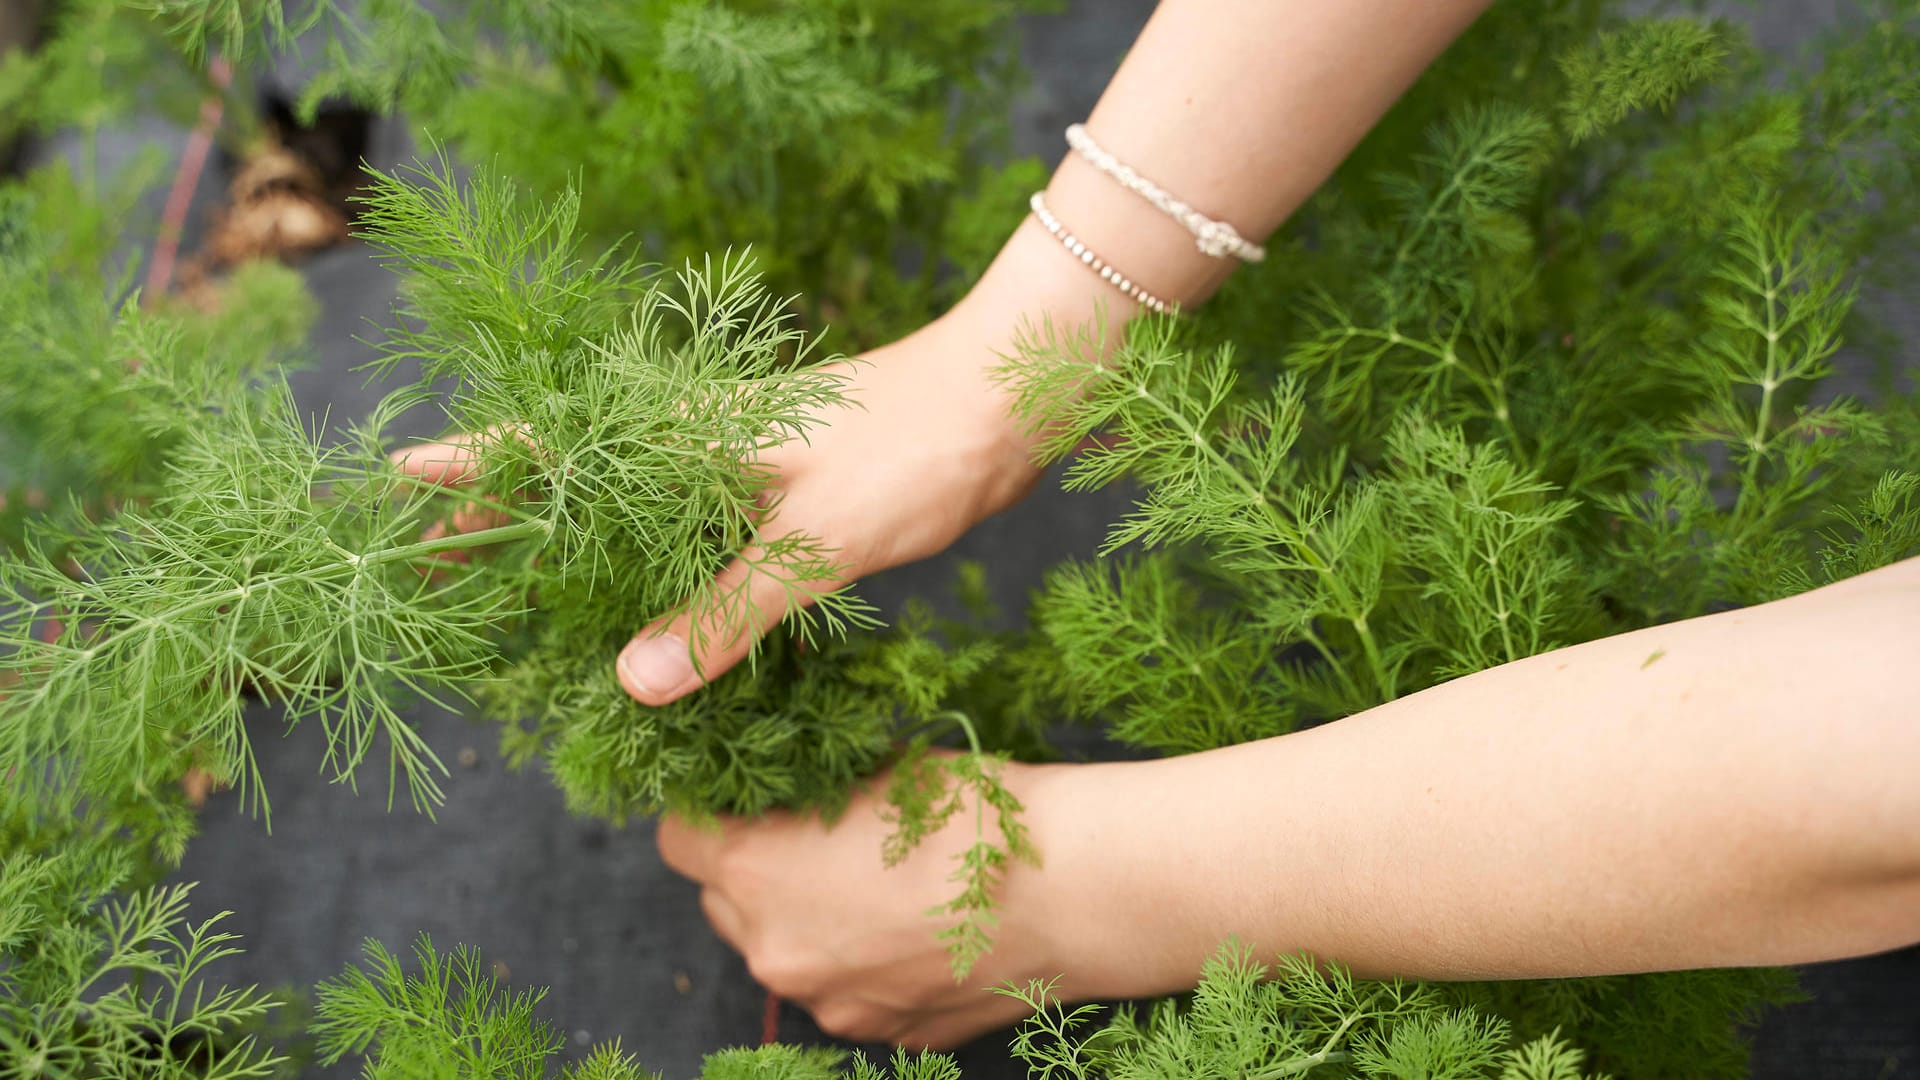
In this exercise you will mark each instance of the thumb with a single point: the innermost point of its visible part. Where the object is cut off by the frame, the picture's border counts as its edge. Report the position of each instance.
(687, 650)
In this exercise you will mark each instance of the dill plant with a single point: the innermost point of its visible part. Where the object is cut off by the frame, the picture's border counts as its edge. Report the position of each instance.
(101, 969)
(259, 558)
(1559, 372)
(1545, 361)
(455, 1019)
(267, 559)
(838, 138)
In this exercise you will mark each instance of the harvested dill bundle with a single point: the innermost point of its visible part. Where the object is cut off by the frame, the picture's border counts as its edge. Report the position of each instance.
(265, 560)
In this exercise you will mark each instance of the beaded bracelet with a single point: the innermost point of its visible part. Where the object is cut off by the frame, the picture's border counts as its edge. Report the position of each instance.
(1094, 262)
(1215, 238)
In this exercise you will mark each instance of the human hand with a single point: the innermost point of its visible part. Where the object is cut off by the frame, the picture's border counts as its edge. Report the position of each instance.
(823, 923)
(1113, 910)
(920, 447)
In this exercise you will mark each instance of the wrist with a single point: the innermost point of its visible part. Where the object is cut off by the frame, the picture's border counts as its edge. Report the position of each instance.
(1100, 912)
(1024, 291)
(1035, 274)
(1035, 280)
(1032, 285)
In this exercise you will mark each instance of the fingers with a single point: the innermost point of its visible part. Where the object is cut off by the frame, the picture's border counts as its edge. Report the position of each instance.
(725, 918)
(688, 849)
(861, 1019)
(692, 851)
(474, 516)
(471, 517)
(451, 462)
(680, 654)
(455, 460)
(674, 656)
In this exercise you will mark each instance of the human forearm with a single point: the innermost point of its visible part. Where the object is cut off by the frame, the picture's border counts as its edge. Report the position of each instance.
(1239, 108)
(1285, 91)
(1735, 789)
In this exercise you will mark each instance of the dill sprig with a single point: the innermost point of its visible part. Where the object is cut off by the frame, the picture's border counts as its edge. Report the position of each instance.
(266, 561)
(271, 560)
(102, 971)
(1291, 1019)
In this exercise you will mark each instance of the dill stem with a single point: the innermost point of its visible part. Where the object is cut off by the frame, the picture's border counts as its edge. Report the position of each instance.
(1179, 659)
(1494, 386)
(1333, 664)
(421, 549)
(1432, 210)
(966, 728)
(500, 534)
(1325, 1055)
(1500, 613)
(962, 965)
(1284, 530)
(1756, 445)
(1375, 662)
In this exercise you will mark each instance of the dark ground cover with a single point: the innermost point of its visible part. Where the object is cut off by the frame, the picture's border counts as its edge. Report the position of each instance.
(587, 909)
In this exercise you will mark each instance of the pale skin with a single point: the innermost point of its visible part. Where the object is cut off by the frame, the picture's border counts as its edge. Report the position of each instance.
(1746, 798)
(1743, 798)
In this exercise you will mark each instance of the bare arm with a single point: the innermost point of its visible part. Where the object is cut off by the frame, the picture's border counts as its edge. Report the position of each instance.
(1746, 797)
(1241, 108)
(1729, 790)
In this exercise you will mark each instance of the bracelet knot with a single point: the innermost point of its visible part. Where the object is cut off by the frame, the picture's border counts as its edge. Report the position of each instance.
(1215, 239)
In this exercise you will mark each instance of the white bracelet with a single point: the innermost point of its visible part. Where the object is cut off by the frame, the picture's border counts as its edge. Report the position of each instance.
(1215, 238)
(1094, 262)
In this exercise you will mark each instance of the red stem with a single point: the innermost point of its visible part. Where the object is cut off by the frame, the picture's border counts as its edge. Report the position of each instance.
(770, 1020)
(193, 160)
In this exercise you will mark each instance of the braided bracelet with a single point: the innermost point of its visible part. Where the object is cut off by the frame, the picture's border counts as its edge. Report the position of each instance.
(1094, 262)
(1215, 238)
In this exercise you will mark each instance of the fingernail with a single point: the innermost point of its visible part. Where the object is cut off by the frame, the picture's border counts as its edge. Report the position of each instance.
(658, 665)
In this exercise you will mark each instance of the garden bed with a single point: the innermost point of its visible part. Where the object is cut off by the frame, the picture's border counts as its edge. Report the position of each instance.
(584, 907)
